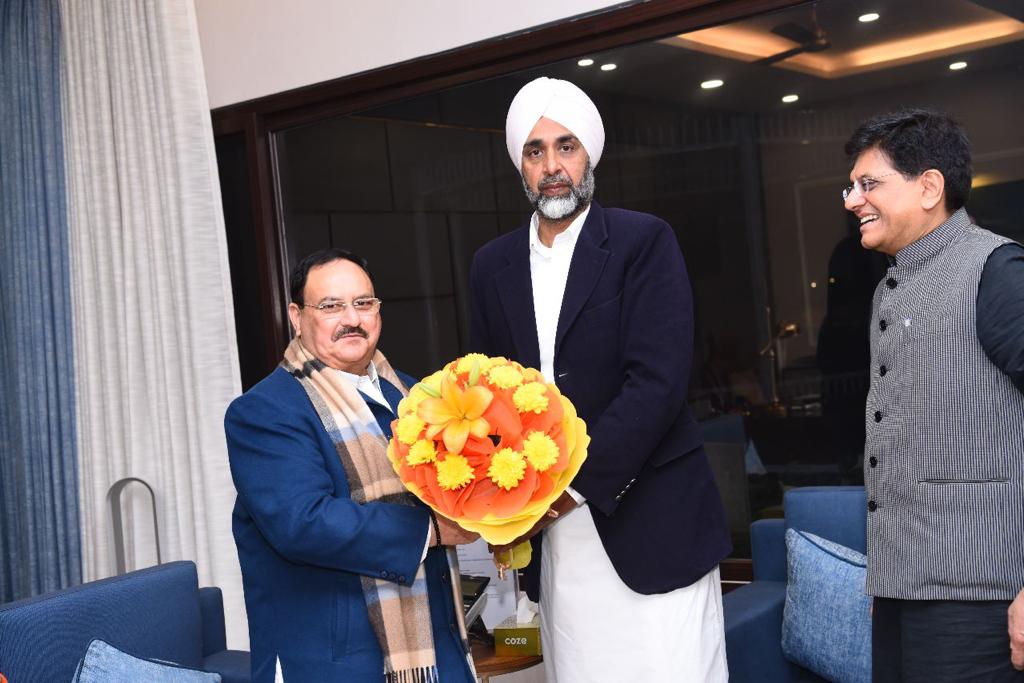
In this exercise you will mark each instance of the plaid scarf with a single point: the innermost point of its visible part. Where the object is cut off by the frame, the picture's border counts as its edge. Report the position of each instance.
(400, 615)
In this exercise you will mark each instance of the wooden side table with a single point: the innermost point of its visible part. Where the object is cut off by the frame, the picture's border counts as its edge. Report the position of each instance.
(487, 664)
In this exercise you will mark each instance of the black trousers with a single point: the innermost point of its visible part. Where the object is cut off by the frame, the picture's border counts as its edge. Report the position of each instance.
(941, 641)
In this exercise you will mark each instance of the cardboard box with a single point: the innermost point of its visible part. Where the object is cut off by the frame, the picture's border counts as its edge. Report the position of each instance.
(512, 639)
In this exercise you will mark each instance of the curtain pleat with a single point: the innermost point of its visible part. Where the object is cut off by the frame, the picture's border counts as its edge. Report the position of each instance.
(156, 359)
(39, 525)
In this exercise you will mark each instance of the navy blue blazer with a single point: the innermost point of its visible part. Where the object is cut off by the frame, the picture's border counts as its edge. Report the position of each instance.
(623, 350)
(303, 544)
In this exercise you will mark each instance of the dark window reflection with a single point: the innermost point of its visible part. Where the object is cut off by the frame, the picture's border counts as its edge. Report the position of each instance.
(750, 184)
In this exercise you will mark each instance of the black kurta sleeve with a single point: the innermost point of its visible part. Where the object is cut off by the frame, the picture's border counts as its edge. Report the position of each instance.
(1001, 311)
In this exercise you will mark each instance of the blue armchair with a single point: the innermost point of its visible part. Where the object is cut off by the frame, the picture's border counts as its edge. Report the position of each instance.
(154, 613)
(753, 613)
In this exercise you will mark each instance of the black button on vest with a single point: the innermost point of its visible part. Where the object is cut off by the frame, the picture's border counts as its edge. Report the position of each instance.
(872, 505)
(890, 283)
(873, 461)
(882, 370)
(882, 325)
(878, 416)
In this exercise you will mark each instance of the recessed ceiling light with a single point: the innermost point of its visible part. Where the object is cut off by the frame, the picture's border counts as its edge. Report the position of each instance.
(956, 66)
(609, 67)
(867, 18)
(790, 98)
(585, 62)
(713, 83)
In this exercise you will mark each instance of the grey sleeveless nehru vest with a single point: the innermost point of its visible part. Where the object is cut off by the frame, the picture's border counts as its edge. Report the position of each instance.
(944, 457)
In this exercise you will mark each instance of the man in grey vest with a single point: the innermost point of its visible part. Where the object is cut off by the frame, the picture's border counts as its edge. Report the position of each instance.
(944, 457)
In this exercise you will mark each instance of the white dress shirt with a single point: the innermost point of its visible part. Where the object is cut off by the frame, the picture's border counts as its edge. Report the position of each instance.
(549, 271)
(594, 629)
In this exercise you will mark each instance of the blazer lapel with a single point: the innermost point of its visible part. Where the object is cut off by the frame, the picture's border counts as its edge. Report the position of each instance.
(515, 289)
(587, 264)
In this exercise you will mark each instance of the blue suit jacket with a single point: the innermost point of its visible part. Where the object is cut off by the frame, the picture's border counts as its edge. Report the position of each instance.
(303, 544)
(622, 355)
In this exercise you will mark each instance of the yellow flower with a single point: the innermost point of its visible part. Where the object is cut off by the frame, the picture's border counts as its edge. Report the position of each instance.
(507, 468)
(465, 363)
(531, 375)
(541, 450)
(412, 402)
(422, 451)
(453, 472)
(504, 376)
(432, 385)
(409, 428)
(456, 414)
(531, 397)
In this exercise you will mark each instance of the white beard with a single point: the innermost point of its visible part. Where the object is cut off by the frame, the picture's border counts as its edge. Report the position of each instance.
(557, 208)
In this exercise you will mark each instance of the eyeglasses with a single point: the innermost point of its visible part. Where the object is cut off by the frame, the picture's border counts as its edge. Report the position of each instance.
(334, 309)
(864, 185)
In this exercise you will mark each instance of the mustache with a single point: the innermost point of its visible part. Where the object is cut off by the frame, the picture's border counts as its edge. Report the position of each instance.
(560, 179)
(345, 329)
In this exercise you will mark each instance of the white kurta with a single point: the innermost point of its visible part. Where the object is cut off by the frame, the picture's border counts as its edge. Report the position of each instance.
(594, 629)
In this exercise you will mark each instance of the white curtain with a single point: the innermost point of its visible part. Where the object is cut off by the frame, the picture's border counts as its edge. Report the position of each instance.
(155, 355)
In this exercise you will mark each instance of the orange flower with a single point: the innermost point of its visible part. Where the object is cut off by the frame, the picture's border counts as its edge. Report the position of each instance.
(489, 444)
(456, 414)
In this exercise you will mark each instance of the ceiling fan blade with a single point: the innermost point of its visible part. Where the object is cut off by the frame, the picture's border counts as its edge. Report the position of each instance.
(818, 45)
(778, 57)
(793, 31)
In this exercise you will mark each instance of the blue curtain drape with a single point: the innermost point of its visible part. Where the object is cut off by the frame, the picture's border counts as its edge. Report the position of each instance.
(39, 528)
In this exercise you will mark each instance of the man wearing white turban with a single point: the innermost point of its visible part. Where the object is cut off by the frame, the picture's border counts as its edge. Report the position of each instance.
(599, 300)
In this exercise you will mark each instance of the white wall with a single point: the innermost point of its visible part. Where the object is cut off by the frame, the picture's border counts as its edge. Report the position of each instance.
(253, 48)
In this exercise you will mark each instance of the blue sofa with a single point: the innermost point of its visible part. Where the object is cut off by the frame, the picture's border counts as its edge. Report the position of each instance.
(154, 613)
(753, 613)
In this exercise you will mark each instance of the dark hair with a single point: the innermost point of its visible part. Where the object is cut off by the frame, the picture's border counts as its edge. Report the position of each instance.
(916, 140)
(297, 281)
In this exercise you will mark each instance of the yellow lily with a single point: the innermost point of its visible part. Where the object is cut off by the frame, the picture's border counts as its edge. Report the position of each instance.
(503, 531)
(457, 413)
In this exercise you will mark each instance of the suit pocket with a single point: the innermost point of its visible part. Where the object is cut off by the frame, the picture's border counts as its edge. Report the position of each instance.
(601, 326)
(339, 622)
(351, 632)
(604, 313)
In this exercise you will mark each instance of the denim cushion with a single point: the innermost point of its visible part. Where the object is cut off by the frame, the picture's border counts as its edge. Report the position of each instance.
(104, 663)
(826, 623)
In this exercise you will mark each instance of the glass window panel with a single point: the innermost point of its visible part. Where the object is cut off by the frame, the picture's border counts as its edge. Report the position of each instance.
(749, 183)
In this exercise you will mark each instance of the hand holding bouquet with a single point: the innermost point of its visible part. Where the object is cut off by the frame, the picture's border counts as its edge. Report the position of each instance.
(488, 444)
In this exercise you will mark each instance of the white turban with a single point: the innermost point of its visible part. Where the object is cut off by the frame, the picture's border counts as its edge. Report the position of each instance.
(560, 101)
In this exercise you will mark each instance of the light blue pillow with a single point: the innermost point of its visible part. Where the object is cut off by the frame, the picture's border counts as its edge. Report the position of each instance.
(104, 663)
(826, 624)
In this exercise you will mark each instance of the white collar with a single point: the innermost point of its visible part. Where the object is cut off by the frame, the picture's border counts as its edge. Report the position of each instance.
(569, 235)
(369, 384)
(371, 372)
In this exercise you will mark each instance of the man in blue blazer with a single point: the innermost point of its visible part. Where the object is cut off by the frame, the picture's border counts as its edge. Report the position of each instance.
(314, 546)
(599, 299)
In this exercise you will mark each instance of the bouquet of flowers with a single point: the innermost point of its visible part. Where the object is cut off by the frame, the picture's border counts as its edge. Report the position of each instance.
(488, 444)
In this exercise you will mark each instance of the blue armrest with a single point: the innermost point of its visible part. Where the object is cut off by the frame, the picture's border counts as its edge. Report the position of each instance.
(234, 666)
(768, 549)
(211, 608)
(753, 632)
